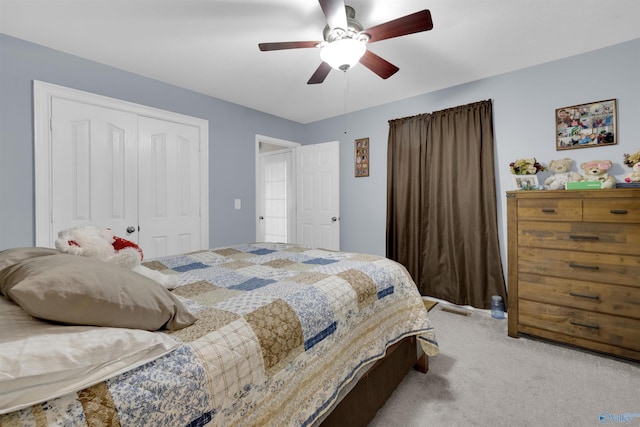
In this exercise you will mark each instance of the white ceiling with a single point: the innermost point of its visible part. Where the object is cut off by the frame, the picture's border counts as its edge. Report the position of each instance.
(211, 46)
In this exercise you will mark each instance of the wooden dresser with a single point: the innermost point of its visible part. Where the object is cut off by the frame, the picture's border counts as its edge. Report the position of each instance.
(574, 267)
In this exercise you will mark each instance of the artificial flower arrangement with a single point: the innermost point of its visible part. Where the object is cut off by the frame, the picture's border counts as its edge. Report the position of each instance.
(527, 166)
(632, 159)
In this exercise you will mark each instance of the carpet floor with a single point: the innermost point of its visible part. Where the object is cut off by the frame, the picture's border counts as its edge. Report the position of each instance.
(482, 377)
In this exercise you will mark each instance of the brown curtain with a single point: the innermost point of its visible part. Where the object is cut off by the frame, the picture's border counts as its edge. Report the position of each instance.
(441, 204)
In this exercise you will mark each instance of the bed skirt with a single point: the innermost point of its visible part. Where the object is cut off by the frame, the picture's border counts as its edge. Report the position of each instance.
(373, 389)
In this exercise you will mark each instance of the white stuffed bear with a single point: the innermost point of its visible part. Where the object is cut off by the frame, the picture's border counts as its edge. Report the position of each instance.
(635, 175)
(562, 173)
(93, 242)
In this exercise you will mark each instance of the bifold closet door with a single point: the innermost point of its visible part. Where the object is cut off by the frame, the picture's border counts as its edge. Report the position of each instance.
(94, 156)
(138, 176)
(169, 187)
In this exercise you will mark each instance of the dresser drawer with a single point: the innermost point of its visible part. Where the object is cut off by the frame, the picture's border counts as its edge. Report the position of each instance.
(612, 210)
(593, 267)
(599, 327)
(611, 299)
(550, 209)
(581, 236)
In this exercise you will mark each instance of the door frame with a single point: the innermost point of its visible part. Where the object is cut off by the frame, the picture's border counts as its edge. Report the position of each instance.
(42, 94)
(286, 146)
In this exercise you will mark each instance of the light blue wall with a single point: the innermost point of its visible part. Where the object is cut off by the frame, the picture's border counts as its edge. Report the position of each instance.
(232, 131)
(524, 105)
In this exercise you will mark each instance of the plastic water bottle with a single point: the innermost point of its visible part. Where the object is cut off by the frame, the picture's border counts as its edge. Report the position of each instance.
(497, 307)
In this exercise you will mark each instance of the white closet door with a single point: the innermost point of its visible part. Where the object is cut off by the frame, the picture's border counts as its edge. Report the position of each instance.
(93, 167)
(87, 167)
(170, 187)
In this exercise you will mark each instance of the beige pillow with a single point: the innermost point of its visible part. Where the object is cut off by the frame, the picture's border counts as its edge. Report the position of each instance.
(82, 291)
(12, 256)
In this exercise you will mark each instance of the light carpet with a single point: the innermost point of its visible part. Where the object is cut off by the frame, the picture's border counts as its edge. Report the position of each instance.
(482, 377)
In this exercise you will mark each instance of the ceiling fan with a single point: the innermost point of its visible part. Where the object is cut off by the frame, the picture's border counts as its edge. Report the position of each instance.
(345, 40)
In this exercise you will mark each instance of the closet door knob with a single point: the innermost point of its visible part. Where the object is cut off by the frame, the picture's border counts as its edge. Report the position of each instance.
(131, 229)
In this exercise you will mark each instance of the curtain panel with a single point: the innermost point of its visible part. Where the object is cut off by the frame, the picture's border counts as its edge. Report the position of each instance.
(441, 204)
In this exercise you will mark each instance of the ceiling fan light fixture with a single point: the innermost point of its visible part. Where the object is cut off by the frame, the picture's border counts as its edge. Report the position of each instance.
(343, 54)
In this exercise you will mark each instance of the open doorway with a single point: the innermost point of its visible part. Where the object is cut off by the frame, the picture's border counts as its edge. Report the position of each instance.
(275, 190)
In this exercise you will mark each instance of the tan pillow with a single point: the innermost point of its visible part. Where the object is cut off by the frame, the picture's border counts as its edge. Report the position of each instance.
(12, 256)
(82, 291)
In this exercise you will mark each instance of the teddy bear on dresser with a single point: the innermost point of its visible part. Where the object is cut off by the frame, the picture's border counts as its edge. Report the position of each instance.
(596, 170)
(561, 174)
(101, 244)
(635, 175)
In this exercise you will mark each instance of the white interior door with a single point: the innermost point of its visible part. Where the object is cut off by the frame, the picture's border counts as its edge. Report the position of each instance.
(271, 172)
(276, 197)
(94, 167)
(318, 191)
(169, 187)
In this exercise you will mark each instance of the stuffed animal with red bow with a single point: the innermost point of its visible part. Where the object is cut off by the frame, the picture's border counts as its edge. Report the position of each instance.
(102, 244)
(635, 175)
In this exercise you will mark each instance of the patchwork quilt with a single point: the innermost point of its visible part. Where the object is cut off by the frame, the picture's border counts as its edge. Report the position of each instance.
(281, 330)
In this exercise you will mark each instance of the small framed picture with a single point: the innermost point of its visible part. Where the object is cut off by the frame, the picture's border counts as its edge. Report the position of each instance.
(362, 154)
(586, 125)
(525, 182)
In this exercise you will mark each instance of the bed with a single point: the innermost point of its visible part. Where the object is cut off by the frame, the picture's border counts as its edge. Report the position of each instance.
(256, 334)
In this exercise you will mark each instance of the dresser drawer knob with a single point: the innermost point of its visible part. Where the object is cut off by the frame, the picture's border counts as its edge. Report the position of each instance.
(579, 237)
(593, 297)
(584, 325)
(548, 210)
(618, 211)
(588, 267)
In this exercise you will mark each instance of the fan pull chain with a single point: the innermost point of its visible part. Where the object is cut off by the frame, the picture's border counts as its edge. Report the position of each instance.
(346, 94)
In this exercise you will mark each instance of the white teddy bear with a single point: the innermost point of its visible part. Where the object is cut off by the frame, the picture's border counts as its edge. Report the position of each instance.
(562, 173)
(635, 175)
(93, 242)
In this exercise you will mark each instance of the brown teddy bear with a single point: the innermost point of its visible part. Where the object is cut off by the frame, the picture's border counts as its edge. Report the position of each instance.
(562, 173)
(596, 170)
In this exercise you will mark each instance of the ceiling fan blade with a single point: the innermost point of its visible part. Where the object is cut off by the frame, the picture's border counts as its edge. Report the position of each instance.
(414, 23)
(320, 74)
(335, 12)
(286, 45)
(380, 66)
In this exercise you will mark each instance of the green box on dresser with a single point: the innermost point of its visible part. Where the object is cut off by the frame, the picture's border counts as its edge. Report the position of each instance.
(584, 185)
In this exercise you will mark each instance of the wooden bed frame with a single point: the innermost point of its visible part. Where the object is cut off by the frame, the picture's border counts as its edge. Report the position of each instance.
(373, 389)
